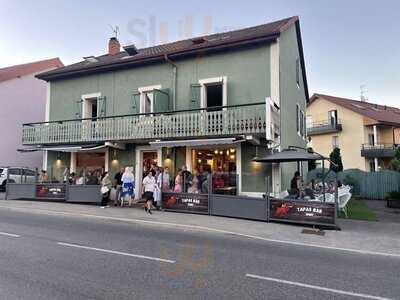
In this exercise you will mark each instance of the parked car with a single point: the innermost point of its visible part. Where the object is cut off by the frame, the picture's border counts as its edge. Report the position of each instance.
(16, 175)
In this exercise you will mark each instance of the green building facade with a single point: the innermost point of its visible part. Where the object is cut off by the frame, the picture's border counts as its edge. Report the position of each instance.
(212, 103)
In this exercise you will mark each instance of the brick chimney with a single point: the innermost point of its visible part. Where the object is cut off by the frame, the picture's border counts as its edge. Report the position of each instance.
(114, 47)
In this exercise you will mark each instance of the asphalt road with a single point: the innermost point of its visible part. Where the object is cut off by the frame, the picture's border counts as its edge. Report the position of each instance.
(63, 257)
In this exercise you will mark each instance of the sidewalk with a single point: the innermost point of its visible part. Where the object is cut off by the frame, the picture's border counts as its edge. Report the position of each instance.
(363, 237)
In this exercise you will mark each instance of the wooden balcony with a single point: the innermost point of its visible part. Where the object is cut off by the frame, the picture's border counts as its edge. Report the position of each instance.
(218, 121)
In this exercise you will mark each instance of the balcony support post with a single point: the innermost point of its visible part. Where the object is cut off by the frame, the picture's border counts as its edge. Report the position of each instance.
(72, 165)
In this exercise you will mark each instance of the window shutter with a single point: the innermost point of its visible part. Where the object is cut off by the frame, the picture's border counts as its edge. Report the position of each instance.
(195, 96)
(297, 118)
(161, 100)
(78, 109)
(101, 107)
(136, 102)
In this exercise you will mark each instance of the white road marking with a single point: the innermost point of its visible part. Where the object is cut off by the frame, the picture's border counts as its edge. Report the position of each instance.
(117, 252)
(204, 228)
(316, 287)
(9, 234)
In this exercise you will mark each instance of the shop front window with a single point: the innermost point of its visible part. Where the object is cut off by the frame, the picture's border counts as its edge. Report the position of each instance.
(220, 163)
(89, 168)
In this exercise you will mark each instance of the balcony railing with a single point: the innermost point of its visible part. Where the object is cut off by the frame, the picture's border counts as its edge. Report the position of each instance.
(325, 126)
(216, 121)
(378, 151)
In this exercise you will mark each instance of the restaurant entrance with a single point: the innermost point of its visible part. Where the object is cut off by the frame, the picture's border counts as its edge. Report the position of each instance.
(145, 157)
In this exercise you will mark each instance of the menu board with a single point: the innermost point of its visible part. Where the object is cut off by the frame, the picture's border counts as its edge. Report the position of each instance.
(302, 211)
(51, 191)
(196, 203)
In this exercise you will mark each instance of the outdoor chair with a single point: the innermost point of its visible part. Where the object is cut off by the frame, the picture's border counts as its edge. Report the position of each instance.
(329, 198)
(343, 199)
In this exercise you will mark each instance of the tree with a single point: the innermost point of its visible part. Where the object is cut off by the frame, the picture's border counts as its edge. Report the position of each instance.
(395, 162)
(336, 160)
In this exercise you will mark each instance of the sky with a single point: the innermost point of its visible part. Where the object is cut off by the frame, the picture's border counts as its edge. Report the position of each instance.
(347, 43)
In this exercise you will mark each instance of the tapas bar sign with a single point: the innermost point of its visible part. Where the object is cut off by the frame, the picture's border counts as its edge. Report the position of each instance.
(51, 191)
(302, 211)
(196, 203)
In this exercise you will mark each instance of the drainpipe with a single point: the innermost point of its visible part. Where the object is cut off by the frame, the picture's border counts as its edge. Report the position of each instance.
(174, 73)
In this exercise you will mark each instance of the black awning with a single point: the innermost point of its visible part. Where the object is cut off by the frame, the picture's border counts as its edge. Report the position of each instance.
(289, 155)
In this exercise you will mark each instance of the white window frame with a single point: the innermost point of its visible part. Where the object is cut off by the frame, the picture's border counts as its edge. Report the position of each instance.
(143, 91)
(203, 95)
(298, 110)
(85, 98)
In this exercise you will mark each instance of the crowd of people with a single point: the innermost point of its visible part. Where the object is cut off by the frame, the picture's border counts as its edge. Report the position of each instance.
(121, 188)
(301, 190)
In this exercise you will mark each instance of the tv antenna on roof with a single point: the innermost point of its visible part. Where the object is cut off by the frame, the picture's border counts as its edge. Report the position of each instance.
(363, 92)
(115, 30)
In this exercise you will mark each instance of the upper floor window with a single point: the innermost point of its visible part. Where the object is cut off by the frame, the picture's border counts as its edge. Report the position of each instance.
(333, 117)
(146, 98)
(213, 92)
(91, 106)
(309, 122)
(300, 121)
(147, 104)
(298, 72)
(302, 131)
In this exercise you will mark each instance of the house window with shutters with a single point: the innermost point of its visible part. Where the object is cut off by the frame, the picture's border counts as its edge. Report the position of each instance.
(213, 92)
(91, 106)
(151, 99)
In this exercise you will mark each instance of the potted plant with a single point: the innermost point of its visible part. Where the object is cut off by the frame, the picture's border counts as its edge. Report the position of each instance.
(393, 199)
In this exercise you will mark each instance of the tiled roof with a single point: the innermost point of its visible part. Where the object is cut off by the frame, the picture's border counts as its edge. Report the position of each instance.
(107, 62)
(379, 113)
(29, 68)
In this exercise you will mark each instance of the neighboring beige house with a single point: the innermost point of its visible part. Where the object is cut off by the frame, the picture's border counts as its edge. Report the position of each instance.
(366, 133)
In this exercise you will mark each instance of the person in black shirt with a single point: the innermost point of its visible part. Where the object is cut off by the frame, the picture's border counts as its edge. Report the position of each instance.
(118, 185)
(295, 184)
(118, 177)
(187, 179)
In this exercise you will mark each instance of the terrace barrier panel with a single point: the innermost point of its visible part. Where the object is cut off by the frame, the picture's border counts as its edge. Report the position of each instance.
(239, 207)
